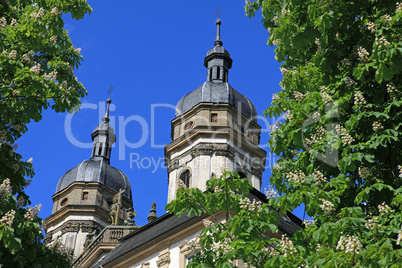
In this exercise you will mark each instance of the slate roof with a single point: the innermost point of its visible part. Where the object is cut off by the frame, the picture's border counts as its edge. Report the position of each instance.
(212, 92)
(169, 223)
(96, 171)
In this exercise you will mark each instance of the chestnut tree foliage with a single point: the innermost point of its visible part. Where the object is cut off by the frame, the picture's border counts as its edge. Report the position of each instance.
(37, 60)
(339, 144)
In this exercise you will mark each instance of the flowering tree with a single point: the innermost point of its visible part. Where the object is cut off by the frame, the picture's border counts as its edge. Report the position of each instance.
(339, 143)
(36, 72)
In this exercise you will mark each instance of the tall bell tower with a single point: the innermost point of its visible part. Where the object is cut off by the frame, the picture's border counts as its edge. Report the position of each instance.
(215, 129)
(85, 193)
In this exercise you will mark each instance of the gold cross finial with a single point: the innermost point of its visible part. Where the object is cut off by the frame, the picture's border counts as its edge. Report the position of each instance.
(218, 11)
(109, 91)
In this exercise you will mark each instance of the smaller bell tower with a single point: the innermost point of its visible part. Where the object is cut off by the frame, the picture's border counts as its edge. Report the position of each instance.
(84, 195)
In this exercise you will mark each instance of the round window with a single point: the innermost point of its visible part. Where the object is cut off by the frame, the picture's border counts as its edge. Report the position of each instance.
(64, 202)
(188, 125)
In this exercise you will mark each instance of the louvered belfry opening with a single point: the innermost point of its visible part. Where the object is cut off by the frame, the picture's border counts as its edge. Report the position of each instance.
(185, 178)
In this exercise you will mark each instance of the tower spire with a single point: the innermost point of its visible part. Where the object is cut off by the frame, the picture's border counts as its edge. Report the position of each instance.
(103, 136)
(218, 41)
(109, 101)
(218, 59)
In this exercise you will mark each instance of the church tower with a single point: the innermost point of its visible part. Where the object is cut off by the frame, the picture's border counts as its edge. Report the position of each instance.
(85, 193)
(215, 129)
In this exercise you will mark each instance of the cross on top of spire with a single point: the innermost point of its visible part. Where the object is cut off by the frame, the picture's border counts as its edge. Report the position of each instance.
(218, 41)
(109, 91)
(109, 101)
(218, 11)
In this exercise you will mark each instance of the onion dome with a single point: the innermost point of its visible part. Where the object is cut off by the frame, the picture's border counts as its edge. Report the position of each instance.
(97, 168)
(217, 89)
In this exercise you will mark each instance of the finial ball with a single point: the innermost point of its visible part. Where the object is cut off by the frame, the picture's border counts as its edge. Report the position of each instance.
(218, 21)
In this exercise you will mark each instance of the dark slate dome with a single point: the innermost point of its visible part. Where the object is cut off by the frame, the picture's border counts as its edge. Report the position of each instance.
(217, 89)
(98, 168)
(96, 171)
(217, 93)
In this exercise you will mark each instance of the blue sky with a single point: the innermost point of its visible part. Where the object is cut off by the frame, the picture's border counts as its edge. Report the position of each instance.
(152, 52)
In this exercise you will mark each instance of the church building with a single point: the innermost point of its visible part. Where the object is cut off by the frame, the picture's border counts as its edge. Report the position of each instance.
(215, 129)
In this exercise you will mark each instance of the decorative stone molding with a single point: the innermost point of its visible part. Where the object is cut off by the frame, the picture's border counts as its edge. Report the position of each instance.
(70, 227)
(256, 170)
(187, 249)
(164, 259)
(88, 227)
(48, 238)
(172, 164)
(202, 149)
(145, 265)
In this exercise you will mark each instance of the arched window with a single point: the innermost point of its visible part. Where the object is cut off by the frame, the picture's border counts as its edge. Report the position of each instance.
(185, 178)
(242, 174)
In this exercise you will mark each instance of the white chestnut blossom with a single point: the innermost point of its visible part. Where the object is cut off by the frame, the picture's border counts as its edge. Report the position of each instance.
(288, 115)
(5, 187)
(217, 189)
(326, 98)
(377, 126)
(387, 17)
(363, 54)
(271, 193)
(349, 244)
(345, 63)
(298, 96)
(319, 178)
(371, 26)
(327, 206)
(391, 89)
(287, 246)
(283, 70)
(13, 22)
(364, 172)
(399, 239)
(345, 137)
(275, 97)
(32, 212)
(51, 75)
(400, 171)
(244, 203)
(64, 84)
(284, 12)
(53, 39)
(39, 14)
(78, 50)
(54, 11)
(35, 69)
(384, 209)
(8, 219)
(13, 55)
(372, 222)
(359, 99)
(273, 127)
(207, 222)
(398, 6)
(308, 222)
(316, 115)
(276, 168)
(254, 206)
(3, 22)
(349, 82)
(381, 42)
(271, 251)
(298, 176)
(319, 135)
